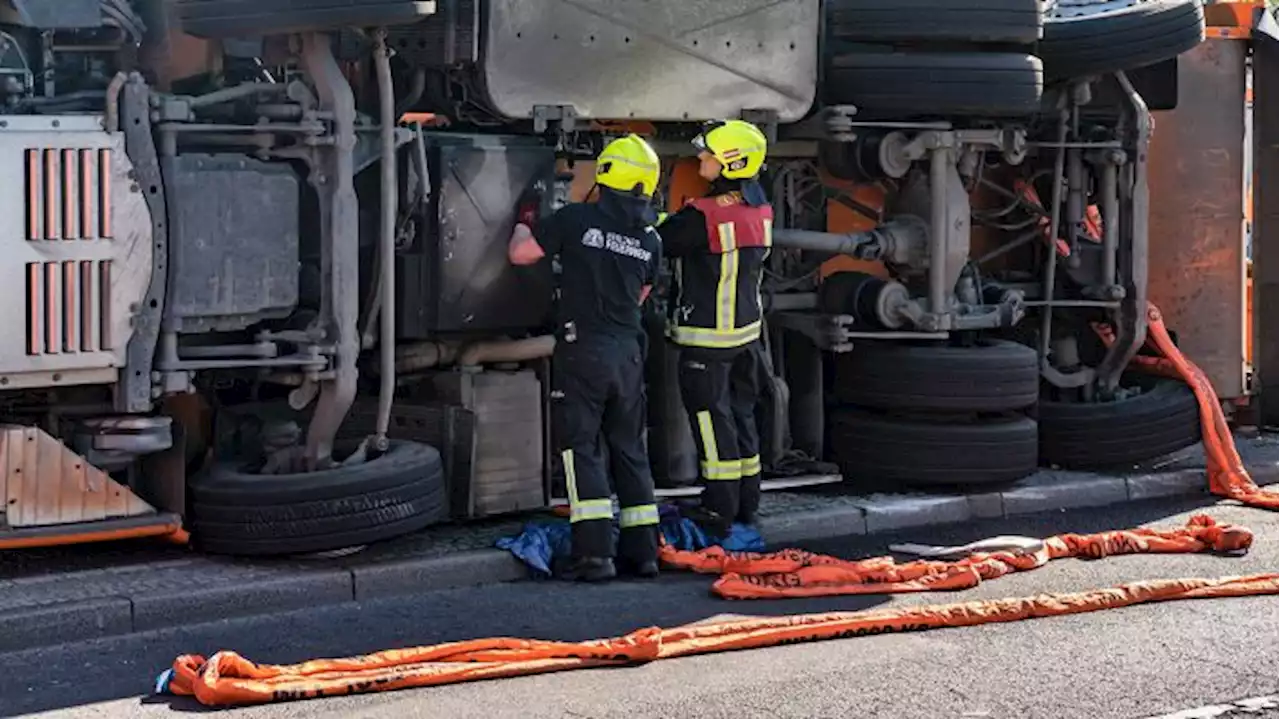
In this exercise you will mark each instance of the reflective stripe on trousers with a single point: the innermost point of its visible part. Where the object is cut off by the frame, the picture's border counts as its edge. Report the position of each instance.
(714, 468)
(644, 515)
(582, 510)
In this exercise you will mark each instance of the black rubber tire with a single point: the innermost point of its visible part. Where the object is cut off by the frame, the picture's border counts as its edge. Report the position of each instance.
(895, 83)
(236, 512)
(990, 376)
(1017, 22)
(1077, 435)
(1143, 34)
(835, 158)
(249, 18)
(876, 449)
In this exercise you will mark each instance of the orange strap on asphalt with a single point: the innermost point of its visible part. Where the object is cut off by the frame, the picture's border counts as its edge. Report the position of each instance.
(796, 573)
(227, 678)
(1227, 475)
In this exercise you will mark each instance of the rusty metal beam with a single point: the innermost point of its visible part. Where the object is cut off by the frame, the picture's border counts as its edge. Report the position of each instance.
(1197, 212)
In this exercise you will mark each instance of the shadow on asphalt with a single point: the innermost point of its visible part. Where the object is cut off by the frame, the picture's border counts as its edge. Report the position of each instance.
(181, 705)
(112, 669)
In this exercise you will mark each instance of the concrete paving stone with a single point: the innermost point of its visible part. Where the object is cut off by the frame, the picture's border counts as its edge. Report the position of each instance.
(840, 521)
(886, 512)
(464, 569)
(792, 501)
(1187, 458)
(1257, 450)
(1166, 484)
(72, 586)
(445, 539)
(58, 622)
(251, 594)
(1052, 489)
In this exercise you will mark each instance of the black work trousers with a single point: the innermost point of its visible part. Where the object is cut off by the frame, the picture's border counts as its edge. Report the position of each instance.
(598, 392)
(720, 388)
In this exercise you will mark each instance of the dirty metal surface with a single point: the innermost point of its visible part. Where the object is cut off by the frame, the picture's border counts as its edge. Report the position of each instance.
(78, 234)
(1197, 213)
(678, 59)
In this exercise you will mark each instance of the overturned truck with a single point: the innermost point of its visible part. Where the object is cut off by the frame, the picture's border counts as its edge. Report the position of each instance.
(256, 279)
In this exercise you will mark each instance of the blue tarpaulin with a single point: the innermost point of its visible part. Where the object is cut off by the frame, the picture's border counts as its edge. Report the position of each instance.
(542, 542)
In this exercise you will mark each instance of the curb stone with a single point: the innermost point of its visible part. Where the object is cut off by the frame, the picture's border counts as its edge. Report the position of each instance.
(68, 608)
(986, 506)
(1167, 484)
(69, 621)
(1051, 490)
(887, 512)
(424, 574)
(157, 610)
(802, 526)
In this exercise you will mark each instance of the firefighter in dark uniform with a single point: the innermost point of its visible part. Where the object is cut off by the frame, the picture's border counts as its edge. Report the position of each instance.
(609, 256)
(720, 243)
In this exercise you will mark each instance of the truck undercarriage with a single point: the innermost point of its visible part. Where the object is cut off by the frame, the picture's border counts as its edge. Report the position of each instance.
(237, 223)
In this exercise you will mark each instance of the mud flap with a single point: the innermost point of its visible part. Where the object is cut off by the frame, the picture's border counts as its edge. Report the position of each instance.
(1265, 224)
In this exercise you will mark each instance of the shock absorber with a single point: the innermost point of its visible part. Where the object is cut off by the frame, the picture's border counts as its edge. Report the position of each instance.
(873, 302)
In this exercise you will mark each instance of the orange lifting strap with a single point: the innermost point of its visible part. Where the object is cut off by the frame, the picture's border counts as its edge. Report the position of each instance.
(795, 573)
(229, 679)
(1227, 475)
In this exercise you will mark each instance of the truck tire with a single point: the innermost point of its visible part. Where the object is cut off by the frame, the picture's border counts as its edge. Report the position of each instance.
(1015, 22)
(875, 449)
(238, 512)
(885, 82)
(254, 18)
(1077, 435)
(989, 376)
(1144, 33)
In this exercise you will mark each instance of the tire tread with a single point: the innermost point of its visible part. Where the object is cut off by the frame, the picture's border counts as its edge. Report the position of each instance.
(1160, 421)
(935, 83)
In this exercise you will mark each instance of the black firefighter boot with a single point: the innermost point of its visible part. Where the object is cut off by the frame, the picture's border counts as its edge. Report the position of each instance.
(589, 569)
(592, 543)
(638, 552)
(717, 508)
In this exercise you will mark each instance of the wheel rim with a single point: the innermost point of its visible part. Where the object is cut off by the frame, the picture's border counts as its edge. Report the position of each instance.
(1069, 9)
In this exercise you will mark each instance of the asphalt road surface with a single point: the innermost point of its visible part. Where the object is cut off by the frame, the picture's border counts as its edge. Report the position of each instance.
(1130, 663)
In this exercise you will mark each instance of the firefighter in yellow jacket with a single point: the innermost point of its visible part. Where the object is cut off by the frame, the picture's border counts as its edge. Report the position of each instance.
(720, 243)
